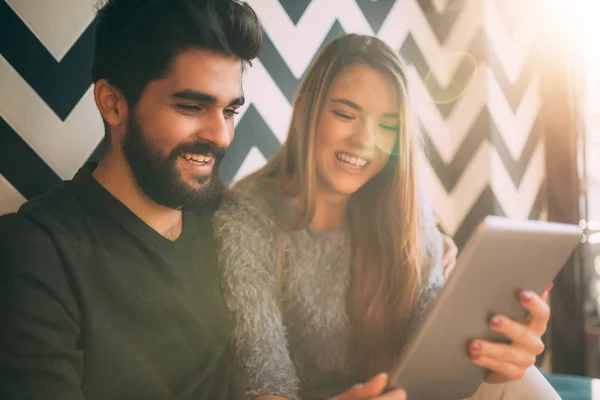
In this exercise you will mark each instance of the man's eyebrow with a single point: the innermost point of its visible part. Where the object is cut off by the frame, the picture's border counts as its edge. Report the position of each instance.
(239, 101)
(195, 95)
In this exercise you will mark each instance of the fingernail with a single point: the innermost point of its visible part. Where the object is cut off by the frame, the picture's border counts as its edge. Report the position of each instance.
(526, 296)
(495, 321)
(551, 286)
(358, 386)
(475, 346)
(382, 375)
(475, 356)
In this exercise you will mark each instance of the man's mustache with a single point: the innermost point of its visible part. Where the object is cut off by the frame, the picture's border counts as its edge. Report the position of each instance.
(200, 148)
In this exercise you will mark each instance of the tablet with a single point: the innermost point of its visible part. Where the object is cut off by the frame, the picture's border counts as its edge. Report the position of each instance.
(501, 257)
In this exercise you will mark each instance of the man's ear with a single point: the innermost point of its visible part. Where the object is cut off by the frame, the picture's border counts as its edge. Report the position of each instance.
(111, 103)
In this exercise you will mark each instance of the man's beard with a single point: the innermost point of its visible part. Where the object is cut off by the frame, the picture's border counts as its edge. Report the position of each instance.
(159, 178)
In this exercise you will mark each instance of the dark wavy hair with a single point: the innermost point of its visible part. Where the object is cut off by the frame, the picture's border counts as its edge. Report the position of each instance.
(137, 40)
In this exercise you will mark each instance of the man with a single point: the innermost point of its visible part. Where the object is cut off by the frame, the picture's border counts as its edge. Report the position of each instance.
(108, 283)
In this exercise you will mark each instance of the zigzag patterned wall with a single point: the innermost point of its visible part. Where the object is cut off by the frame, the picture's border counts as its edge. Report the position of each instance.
(484, 149)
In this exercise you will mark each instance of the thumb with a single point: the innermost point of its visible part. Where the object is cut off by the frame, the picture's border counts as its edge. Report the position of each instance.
(366, 390)
(376, 385)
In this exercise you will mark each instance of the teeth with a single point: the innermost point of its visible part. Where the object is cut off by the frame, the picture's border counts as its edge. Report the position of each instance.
(351, 160)
(198, 158)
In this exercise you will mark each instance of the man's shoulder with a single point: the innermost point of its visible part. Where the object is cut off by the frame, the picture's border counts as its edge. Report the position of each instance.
(19, 225)
(27, 221)
(56, 201)
(29, 235)
(25, 246)
(57, 209)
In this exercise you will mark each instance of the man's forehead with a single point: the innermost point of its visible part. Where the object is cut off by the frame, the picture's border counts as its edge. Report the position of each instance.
(207, 72)
(202, 62)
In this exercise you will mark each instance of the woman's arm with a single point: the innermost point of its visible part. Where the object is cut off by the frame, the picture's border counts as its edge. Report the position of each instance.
(246, 251)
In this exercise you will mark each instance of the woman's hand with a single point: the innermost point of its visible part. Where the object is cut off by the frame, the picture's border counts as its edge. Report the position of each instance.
(508, 362)
(449, 256)
(371, 390)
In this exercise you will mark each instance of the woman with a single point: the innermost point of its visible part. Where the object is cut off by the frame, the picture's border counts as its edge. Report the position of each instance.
(330, 255)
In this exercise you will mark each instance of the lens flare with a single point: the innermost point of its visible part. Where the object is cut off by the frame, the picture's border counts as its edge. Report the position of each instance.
(465, 66)
(466, 70)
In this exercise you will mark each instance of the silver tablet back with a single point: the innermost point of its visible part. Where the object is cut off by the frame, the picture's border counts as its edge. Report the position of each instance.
(501, 257)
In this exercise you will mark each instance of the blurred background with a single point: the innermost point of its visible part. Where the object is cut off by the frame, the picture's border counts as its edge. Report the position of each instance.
(507, 93)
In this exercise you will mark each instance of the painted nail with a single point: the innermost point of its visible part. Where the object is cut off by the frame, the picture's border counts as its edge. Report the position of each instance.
(475, 346)
(496, 321)
(475, 356)
(526, 296)
(550, 286)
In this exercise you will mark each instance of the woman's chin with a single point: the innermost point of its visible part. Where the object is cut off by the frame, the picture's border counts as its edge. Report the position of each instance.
(343, 188)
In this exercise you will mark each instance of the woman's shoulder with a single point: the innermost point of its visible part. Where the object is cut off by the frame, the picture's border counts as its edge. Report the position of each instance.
(247, 204)
(244, 232)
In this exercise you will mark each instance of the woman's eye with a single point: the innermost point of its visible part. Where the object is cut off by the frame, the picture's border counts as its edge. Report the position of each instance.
(343, 115)
(391, 128)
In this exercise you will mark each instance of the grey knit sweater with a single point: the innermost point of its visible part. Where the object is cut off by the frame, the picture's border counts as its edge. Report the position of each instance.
(301, 349)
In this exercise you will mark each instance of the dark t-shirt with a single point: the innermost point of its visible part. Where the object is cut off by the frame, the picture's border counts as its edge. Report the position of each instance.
(95, 304)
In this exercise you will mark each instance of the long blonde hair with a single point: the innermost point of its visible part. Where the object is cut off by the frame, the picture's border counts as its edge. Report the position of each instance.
(383, 215)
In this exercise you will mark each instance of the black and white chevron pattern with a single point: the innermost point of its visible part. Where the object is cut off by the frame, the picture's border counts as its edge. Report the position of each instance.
(484, 150)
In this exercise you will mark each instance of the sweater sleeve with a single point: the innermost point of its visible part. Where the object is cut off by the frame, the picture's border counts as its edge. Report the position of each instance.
(532, 387)
(244, 232)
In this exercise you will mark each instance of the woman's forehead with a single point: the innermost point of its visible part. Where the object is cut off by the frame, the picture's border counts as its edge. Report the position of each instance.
(366, 87)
